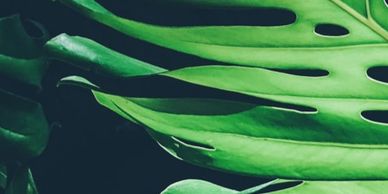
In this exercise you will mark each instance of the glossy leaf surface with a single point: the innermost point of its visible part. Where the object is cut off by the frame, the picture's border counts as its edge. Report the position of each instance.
(263, 136)
(314, 130)
(256, 45)
(203, 187)
(21, 55)
(23, 126)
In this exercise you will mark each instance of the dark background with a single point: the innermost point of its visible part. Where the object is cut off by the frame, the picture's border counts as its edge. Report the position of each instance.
(94, 151)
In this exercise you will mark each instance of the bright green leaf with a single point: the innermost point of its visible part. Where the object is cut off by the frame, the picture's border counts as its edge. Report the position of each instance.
(259, 45)
(263, 137)
(308, 187)
(339, 143)
(196, 187)
(31, 187)
(325, 139)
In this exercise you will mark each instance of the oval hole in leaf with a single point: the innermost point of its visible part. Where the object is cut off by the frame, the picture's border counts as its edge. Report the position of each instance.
(386, 3)
(377, 116)
(378, 73)
(303, 72)
(279, 187)
(192, 144)
(185, 14)
(331, 30)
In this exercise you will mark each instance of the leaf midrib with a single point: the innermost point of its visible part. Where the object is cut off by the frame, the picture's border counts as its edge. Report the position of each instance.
(369, 22)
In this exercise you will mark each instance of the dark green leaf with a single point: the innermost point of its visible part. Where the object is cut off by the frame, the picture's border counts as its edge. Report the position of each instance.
(3, 177)
(19, 182)
(21, 56)
(23, 128)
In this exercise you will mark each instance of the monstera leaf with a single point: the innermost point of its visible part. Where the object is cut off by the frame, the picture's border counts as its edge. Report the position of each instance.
(203, 187)
(364, 20)
(21, 55)
(198, 186)
(329, 141)
(23, 127)
(21, 182)
(310, 127)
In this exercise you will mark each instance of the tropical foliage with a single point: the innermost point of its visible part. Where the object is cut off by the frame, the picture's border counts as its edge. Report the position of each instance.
(296, 100)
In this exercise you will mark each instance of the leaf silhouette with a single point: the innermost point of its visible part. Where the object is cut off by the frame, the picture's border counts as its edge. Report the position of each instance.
(21, 55)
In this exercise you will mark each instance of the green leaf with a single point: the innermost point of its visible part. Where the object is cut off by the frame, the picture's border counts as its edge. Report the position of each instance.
(258, 45)
(266, 141)
(308, 187)
(23, 128)
(196, 187)
(312, 129)
(21, 182)
(263, 137)
(31, 187)
(92, 56)
(339, 143)
(21, 56)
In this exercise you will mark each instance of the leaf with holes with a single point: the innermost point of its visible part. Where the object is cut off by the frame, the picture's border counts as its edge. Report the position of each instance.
(281, 187)
(320, 25)
(288, 128)
(21, 55)
(23, 126)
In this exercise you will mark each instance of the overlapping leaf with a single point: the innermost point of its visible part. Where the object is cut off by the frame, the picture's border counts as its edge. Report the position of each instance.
(21, 182)
(21, 56)
(23, 126)
(326, 139)
(203, 187)
(255, 45)
(333, 143)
